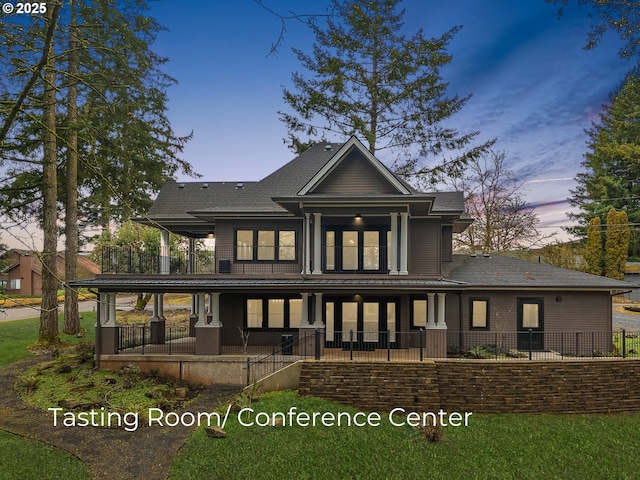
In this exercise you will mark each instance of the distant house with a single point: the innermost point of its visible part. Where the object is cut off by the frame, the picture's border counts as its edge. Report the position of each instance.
(334, 241)
(23, 275)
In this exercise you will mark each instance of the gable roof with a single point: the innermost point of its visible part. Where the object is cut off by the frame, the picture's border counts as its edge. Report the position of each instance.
(190, 208)
(337, 160)
(500, 272)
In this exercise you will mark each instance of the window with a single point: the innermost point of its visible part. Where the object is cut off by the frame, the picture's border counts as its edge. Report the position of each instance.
(371, 254)
(244, 244)
(14, 284)
(266, 245)
(286, 245)
(530, 315)
(330, 244)
(254, 313)
(479, 313)
(419, 313)
(274, 312)
(349, 250)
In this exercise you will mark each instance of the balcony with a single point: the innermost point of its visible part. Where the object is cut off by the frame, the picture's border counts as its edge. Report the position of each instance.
(203, 261)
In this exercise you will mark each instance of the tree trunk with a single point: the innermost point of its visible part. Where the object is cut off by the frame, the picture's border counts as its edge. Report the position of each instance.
(49, 312)
(71, 315)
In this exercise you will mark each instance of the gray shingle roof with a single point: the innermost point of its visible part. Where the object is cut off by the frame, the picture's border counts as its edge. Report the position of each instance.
(183, 200)
(497, 271)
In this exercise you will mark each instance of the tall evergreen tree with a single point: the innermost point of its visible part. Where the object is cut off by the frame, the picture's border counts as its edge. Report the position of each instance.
(594, 250)
(114, 124)
(617, 244)
(612, 164)
(369, 79)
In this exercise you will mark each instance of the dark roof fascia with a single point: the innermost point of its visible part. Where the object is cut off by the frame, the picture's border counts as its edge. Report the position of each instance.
(239, 214)
(315, 203)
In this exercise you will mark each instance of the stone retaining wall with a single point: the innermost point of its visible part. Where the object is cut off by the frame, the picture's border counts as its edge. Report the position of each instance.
(589, 386)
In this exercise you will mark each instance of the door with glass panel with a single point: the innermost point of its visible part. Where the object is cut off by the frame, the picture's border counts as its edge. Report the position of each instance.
(355, 250)
(530, 323)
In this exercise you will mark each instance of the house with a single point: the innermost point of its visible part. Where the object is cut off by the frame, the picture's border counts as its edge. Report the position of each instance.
(334, 242)
(23, 275)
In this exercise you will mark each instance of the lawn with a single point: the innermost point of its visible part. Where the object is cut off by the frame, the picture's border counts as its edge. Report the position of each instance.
(27, 459)
(491, 447)
(17, 335)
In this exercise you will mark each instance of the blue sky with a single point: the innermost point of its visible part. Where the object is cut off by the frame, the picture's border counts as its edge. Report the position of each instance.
(534, 88)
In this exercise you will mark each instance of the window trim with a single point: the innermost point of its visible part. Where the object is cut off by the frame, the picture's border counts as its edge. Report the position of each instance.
(265, 312)
(487, 312)
(274, 249)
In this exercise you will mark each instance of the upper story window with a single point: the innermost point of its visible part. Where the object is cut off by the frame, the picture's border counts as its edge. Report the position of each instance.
(355, 250)
(266, 245)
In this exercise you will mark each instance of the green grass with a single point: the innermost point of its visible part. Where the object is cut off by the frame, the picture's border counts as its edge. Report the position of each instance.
(17, 335)
(27, 459)
(492, 447)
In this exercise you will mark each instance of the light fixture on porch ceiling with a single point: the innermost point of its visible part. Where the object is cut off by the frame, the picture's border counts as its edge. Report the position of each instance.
(210, 235)
(358, 216)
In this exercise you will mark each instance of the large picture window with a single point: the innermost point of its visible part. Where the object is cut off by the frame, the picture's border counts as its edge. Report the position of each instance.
(273, 312)
(266, 245)
(356, 250)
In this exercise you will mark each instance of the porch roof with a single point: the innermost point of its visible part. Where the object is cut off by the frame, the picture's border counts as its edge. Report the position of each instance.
(194, 283)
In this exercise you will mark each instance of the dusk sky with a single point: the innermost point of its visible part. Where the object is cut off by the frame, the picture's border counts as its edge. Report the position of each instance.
(534, 87)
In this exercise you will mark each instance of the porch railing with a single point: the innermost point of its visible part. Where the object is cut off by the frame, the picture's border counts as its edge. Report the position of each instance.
(205, 260)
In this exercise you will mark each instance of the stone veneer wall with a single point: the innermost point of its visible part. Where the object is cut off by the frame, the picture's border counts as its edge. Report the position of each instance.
(580, 386)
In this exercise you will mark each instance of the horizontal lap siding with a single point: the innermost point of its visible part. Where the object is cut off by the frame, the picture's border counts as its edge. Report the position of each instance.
(424, 247)
(356, 175)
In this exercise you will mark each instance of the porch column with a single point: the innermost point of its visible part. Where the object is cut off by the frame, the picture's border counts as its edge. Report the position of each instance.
(102, 306)
(208, 335)
(164, 252)
(304, 321)
(202, 318)
(111, 310)
(317, 243)
(317, 321)
(393, 248)
(431, 317)
(110, 330)
(214, 309)
(158, 322)
(191, 256)
(442, 324)
(193, 316)
(307, 243)
(404, 242)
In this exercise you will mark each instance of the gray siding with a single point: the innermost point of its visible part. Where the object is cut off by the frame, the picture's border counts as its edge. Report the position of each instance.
(424, 247)
(355, 175)
(447, 243)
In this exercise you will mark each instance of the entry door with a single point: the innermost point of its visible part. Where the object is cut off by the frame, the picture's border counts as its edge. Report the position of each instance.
(530, 317)
(368, 320)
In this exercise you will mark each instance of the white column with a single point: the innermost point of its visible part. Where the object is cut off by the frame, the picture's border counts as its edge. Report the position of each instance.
(431, 317)
(393, 248)
(442, 324)
(102, 306)
(155, 317)
(164, 252)
(404, 242)
(111, 309)
(304, 321)
(214, 309)
(317, 244)
(307, 243)
(318, 320)
(202, 318)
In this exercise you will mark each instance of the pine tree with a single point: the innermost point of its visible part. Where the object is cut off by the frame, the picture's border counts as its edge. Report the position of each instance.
(368, 79)
(617, 244)
(612, 164)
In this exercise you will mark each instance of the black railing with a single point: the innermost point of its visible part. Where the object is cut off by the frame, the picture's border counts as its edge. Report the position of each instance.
(144, 339)
(292, 347)
(534, 345)
(279, 347)
(180, 261)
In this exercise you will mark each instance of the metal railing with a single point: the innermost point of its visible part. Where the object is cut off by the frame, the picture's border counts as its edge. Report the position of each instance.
(280, 347)
(145, 339)
(532, 345)
(133, 260)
